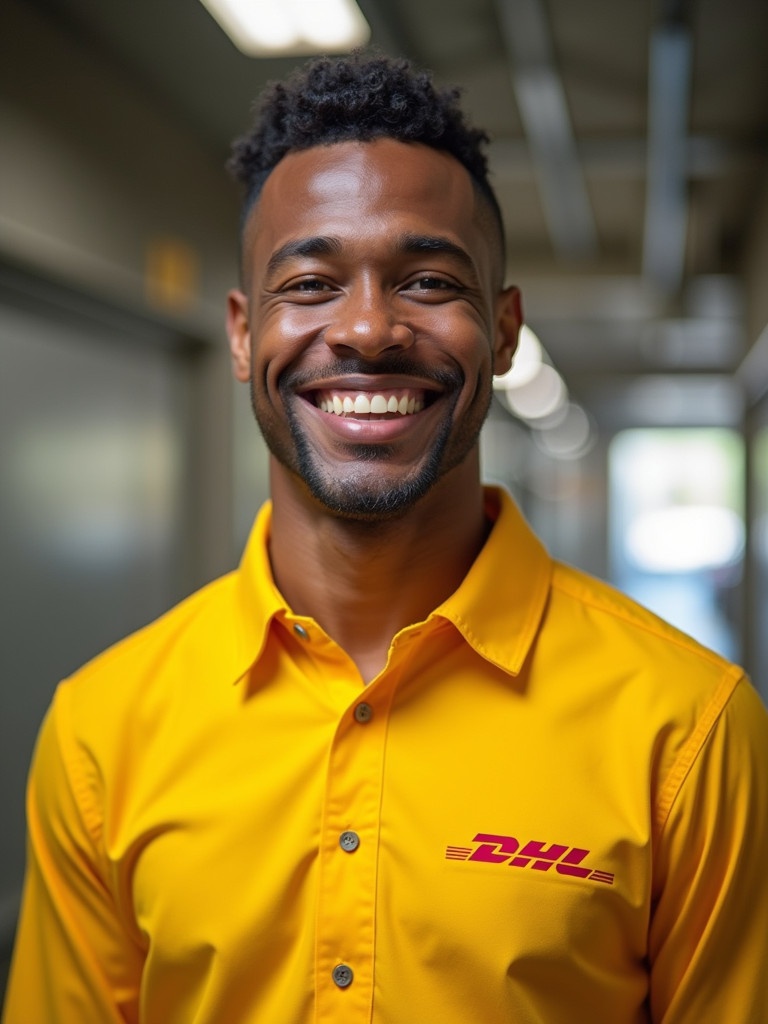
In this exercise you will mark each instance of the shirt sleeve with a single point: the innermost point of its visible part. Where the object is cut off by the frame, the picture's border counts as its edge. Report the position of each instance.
(709, 929)
(73, 959)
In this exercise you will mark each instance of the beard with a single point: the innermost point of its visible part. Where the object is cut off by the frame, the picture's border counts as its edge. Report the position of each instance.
(361, 493)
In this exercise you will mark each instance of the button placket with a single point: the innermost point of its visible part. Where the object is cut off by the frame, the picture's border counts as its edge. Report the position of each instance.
(348, 861)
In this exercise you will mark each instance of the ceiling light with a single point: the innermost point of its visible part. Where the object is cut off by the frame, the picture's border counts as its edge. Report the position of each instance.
(571, 438)
(666, 207)
(540, 397)
(261, 28)
(541, 101)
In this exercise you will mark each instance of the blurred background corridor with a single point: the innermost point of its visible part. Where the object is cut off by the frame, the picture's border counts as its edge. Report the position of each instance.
(630, 156)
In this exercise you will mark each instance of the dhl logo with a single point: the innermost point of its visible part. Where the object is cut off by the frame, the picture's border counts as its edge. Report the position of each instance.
(539, 856)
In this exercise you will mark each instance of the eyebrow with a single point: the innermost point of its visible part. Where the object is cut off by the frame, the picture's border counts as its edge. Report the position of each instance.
(303, 248)
(408, 244)
(437, 244)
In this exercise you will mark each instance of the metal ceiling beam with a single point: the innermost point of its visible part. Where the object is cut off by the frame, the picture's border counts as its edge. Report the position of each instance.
(625, 158)
(544, 112)
(752, 374)
(666, 204)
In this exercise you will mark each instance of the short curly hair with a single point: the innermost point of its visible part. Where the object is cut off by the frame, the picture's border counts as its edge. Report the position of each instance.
(357, 98)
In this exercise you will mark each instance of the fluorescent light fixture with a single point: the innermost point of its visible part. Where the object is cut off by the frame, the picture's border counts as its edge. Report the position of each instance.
(542, 396)
(571, 438)
(268, 28)
(666, 207)
(540, 96)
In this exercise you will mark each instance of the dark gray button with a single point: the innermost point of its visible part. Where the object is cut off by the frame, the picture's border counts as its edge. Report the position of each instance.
(363, 712)
(343, 975)
(349, 841)
(299, 630)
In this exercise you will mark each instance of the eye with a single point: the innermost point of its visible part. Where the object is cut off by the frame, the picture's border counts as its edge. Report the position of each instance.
(432, 288)
(307, 289)
(430, 283)
(309, 284)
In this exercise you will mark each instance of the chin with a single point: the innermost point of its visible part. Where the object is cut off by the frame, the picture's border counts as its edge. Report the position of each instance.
(354, 501)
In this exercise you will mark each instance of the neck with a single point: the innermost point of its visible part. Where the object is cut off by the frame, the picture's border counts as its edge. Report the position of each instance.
(362, 582)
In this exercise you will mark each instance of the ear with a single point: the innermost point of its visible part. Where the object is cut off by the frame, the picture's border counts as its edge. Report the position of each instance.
(508, 321)
(239, 331)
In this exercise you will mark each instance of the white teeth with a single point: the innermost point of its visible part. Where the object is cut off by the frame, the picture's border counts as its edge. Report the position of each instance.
(365, 405)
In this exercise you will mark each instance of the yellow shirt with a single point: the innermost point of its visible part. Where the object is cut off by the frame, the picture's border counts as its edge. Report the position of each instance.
(549, 807)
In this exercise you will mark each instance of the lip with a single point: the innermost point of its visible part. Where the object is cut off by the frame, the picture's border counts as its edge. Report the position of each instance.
(368, 428)
(370, 384)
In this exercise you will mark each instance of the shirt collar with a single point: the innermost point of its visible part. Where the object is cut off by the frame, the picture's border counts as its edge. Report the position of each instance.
(499, 605)
(258, 601)
(497, 608)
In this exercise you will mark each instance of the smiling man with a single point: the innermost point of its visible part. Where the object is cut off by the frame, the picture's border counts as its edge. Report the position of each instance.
(401, 766)
(369, 328)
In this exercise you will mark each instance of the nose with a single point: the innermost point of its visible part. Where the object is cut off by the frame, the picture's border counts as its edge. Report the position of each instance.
(365, 324)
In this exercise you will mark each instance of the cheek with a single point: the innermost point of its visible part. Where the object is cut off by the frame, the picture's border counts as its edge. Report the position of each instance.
(462, 329)
(472, 350)
(478, 367)
(279, 341)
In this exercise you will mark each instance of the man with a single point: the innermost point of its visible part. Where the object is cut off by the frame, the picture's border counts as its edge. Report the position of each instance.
(400, 767)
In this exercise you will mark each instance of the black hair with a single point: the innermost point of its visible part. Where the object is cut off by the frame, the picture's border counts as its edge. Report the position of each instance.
(357, 98)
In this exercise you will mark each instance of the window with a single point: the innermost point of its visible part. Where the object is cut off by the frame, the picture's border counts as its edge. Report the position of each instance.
(677, 527)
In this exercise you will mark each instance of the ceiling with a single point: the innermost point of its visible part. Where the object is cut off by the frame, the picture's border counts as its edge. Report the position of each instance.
(629, 146)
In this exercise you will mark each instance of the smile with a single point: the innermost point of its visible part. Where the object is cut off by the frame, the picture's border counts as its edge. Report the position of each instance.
(395, 402)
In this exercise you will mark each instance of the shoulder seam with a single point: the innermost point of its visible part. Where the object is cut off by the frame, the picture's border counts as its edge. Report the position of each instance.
(693, 746)
(674, 636)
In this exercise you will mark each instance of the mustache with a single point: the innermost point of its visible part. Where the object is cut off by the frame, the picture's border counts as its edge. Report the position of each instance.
(397, 364)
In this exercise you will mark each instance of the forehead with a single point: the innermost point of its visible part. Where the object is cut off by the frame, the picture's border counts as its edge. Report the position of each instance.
(365, 192)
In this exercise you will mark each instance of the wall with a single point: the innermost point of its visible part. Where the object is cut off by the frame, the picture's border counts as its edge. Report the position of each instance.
(95, 173)
(118, 232)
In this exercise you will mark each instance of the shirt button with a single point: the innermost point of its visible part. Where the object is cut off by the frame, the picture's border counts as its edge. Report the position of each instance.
(299, 630)
(343, 975)
(349, 841)
(363, 712)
